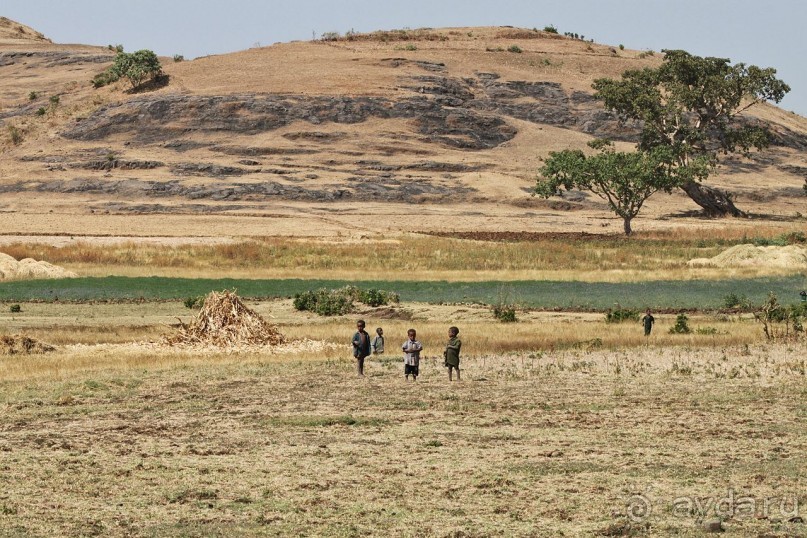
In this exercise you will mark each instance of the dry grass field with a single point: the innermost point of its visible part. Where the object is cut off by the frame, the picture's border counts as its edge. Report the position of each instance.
(639, 442)
(562, 426)
(475, 256)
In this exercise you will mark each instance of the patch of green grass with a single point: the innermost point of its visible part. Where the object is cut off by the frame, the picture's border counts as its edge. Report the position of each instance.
(586, 296)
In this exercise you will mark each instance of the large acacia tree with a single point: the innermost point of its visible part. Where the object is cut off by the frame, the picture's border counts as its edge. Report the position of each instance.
(693, 106)
(624, 180)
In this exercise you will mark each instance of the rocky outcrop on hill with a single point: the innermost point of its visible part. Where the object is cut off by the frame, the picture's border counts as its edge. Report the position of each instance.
(377, 188)
(52, 58)
(463, 113)
(158, 119)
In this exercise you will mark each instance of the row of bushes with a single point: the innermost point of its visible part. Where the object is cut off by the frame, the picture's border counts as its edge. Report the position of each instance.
(340, 301)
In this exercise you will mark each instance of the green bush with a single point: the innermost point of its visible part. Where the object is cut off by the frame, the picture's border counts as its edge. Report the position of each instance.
(179, 58)
(618, 315)
(621, 46)
(706, 330)
(340, 301)
(33, 96)
(115, 48)
(374, 297)
(505, 313)
(54, 100)
(15, 309)
(41, 111)
(194, 302)
(104, 79)
(515, 48)
(136, 67)
(732, 300)
(781, 321)
(550, 29)
(681, 325)
(324, 302)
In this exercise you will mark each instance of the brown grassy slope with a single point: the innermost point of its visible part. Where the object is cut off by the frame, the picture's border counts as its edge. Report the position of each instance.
(12, 32)
(336, 161)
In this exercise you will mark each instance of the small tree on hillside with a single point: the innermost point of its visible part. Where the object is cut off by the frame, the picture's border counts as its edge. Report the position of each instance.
(136, 67)
(624, 180)
(693, 106)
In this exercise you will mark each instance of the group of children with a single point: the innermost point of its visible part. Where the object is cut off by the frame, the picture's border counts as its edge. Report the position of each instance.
(363, 347)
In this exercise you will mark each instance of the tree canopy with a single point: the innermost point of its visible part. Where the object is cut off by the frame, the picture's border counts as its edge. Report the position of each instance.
(624, 180)
(692, 105)
(136, 67)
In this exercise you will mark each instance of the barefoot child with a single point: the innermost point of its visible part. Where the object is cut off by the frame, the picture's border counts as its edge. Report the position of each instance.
(361, 346)
(452, 352)
(378, 342)
(411, 349)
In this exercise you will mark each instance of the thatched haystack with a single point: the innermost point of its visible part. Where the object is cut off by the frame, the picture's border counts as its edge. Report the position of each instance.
(22, 345)
(225, 321)
(28, 268)
(745, 255)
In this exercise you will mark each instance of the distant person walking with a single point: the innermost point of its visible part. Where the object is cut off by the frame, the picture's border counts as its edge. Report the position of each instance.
(452, 352)
(361, 347)
(412, 349)
(378, 342)
(648, 320)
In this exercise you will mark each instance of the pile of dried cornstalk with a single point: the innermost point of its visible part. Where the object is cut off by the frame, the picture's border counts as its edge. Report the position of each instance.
(22, 345)
(225, 321)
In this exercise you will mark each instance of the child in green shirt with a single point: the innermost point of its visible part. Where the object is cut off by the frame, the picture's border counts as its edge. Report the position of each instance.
(452, 353)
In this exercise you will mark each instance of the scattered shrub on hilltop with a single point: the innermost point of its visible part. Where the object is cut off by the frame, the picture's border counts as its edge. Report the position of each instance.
(15, 134)
(137, 67)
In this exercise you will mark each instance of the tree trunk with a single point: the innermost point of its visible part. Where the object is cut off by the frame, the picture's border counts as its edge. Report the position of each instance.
(715, 203)
(626, 222)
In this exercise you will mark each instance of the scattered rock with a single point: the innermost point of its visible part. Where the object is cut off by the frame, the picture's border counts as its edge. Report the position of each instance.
(366, 188)
(208, 170)
(318, 136)
(713, 526)
(110, 164)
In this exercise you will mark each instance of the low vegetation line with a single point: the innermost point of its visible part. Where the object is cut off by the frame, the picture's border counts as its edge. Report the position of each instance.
(561, 295)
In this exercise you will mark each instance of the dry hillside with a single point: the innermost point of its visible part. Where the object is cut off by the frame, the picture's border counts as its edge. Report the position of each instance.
(306, 138)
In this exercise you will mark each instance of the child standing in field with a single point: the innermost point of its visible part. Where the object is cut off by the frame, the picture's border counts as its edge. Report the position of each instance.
(648, 320)
(411, 349)
(361, 347)
(452, 352)
(378, 342)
